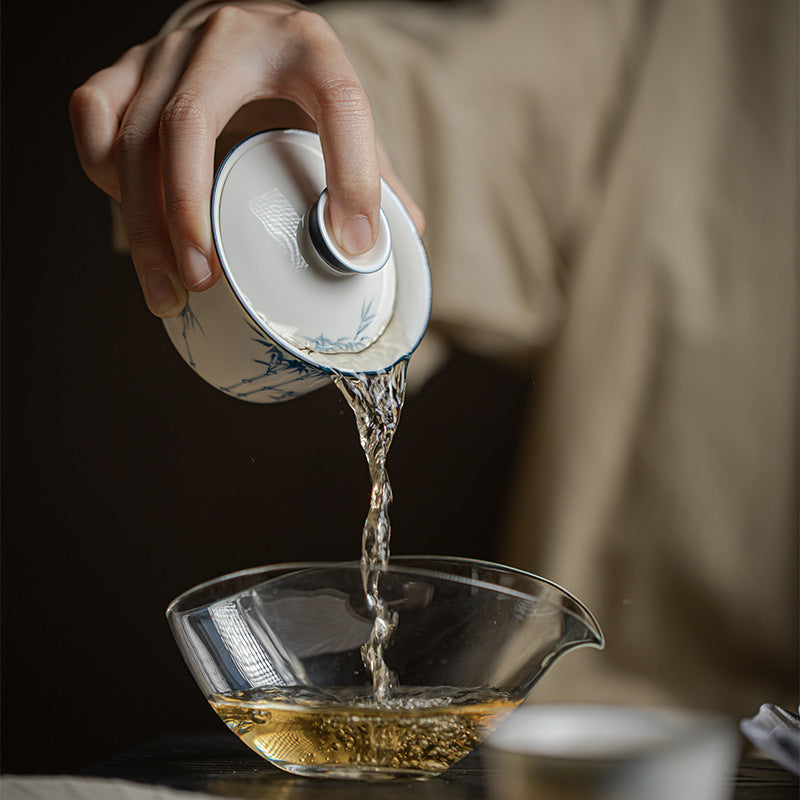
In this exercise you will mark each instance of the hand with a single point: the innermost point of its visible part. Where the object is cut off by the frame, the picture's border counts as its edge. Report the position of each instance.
(146, 129)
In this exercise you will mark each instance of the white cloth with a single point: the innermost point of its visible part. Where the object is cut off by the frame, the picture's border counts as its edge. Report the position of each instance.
(775, 732)
(59, 787)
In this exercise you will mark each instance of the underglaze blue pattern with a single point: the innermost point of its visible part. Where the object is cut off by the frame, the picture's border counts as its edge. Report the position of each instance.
(189, 322)
(347, 345)
(281, 376)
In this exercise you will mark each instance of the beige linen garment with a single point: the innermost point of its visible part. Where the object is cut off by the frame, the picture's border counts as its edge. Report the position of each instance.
(612, 187)
(611, 196)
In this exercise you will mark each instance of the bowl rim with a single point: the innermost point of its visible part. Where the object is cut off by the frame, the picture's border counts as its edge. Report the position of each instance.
(396, 561)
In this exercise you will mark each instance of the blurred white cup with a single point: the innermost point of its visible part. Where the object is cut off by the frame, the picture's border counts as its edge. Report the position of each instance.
(612, 753)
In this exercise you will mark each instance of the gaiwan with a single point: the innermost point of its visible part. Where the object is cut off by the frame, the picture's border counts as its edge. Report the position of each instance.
(291, 308)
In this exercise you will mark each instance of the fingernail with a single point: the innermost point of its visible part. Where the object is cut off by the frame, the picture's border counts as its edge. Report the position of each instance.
(161, 295)
(357, 235)
(194, 267)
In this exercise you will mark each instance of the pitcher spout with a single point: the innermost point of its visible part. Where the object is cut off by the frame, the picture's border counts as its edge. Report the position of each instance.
(558, 622)
(581, 627)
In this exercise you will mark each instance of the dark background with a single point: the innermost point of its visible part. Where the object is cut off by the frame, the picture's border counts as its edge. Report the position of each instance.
(126, 479)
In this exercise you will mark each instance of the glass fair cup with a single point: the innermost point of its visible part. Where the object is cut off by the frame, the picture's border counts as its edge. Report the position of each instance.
(277, 651)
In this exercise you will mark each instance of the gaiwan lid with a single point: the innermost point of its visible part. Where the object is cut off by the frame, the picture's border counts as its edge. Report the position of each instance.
(270, 228)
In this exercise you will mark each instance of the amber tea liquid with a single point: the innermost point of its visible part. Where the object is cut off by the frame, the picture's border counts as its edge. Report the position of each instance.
(419, 732)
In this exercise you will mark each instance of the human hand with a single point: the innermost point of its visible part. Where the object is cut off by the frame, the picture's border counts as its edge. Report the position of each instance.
(146, 129)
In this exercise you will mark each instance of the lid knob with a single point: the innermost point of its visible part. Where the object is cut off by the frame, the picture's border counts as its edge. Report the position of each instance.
(333, 256)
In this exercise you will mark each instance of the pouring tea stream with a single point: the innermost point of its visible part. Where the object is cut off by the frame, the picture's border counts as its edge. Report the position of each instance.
(294, 311)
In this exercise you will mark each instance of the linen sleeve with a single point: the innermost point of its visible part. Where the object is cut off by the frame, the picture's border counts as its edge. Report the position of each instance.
(495, 116)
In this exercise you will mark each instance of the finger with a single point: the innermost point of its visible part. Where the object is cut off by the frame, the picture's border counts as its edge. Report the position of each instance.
(138, 164)
(96, 109)
(187, 137)
(243, 56)
(224, 73)
(321, 79)
(188, 130)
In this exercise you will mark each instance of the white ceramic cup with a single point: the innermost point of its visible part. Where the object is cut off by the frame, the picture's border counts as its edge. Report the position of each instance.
(585, 752)
(291, 309)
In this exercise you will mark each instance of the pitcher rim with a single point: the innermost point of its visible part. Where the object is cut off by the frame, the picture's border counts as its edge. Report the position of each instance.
(589, 617)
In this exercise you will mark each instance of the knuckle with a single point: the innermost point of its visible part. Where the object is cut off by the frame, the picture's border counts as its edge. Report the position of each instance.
(226, 19)
(172, 42)
(342, 95)
(131, 139)
(308, 25)
(184, 110)
(83, 101)
(137, 50)
(88, 104)
(87, 107)
(144, 238)
(181, 204)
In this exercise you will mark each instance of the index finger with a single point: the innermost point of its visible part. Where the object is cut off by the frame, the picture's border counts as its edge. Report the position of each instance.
(242, 57)
(320, 79)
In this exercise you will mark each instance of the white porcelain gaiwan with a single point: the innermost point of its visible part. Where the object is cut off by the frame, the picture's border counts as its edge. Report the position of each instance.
(292, 309)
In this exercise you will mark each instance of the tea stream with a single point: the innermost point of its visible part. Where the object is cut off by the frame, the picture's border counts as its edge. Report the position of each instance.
(377, 401)
(397, 731)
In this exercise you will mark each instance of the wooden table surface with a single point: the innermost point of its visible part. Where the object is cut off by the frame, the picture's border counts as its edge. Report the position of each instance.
(219, 764)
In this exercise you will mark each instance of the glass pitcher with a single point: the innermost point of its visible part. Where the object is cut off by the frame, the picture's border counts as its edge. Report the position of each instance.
(277, 651)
